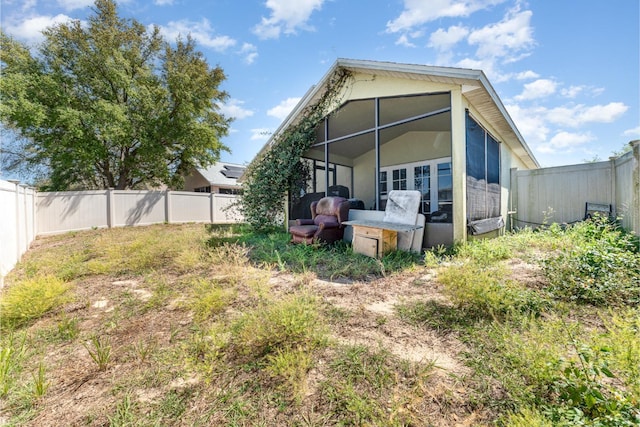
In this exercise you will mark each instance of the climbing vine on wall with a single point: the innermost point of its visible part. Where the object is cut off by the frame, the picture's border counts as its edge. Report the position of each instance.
(280, 169)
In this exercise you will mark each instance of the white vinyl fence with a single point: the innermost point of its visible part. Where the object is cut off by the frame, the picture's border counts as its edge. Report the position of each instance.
(559, 194)
(59, 212)
(25, 213)
(17, 223)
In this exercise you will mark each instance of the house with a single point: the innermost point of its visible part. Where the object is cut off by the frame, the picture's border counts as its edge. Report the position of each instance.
(442, 131)
(219, 178)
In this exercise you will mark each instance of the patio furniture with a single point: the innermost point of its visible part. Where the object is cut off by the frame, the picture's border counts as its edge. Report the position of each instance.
(326, 224)
(376, 238)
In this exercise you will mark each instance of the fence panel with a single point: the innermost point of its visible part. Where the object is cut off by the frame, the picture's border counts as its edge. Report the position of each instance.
(138, 207)
(627, 189)
(17, 225)
(82, 210)
(559, 194)
(190, 207)
(224, 210)
(59, 212)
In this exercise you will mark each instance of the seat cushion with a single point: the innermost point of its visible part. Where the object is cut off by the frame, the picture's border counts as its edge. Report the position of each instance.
(303, 230)
(326, 219)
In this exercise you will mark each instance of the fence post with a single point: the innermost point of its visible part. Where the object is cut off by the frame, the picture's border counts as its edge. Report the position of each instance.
(512, 208)
(17, 213)
(110, 208)
(26, 216)
(167, 206)
(213, 207)
(635, 194)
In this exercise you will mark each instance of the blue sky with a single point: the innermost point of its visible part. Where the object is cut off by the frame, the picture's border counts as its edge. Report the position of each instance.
(567, 71)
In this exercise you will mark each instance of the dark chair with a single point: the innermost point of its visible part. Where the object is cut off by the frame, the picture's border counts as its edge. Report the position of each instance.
(325, 225)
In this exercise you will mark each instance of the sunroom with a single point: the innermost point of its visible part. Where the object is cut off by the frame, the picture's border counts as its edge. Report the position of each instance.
(441, 131)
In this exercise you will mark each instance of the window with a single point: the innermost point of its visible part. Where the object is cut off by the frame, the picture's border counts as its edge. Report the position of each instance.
(206, 189)
(445, 188)
(230, 191)
(422, 183)
(483, 173)
(400, 179)
(431, 177)
(383, 183)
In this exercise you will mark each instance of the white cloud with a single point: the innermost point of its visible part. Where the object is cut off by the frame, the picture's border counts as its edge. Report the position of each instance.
(260, 134)
(527, 75)
(282, 110)
(75, 4)
(537, 89)
(419, 12)
(446, 39)
(286, 16)
(632, 132)
(531, 122)
(566, 142)
(234, 108)
(201, 31)
(572, 91)
(163, 2)
(250, 53)
(30, 30)
(579, 115)
(403, 40)
(506, 38)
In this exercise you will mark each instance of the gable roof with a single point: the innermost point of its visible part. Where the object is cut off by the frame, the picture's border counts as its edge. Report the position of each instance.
(222, 173)
(476, 88)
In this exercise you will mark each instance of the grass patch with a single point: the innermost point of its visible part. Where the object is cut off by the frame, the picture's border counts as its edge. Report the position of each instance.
(293, 323)
(32, 298)
(211, 297)
(225, 339)
(338, 260)
(557, 363)
(483, 291)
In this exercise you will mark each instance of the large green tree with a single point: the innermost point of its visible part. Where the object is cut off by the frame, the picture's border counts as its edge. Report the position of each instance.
(110, 104)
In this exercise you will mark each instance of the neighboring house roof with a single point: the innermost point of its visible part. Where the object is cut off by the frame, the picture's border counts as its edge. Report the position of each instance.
(223, 174)
(475, 87)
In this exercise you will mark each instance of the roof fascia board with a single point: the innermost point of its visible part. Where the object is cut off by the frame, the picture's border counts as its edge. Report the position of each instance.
(496, 100)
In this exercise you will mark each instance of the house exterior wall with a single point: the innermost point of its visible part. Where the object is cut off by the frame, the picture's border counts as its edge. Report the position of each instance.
(370, 86)
(195, 180)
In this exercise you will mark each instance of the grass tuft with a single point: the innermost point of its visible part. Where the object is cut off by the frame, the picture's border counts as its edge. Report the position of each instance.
(31, 298)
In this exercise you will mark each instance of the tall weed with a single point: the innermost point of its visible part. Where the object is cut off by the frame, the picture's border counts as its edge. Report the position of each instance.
(12, 351)
(30, 298)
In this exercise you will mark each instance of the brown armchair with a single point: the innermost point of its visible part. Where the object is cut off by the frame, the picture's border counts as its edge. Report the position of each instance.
(325, 225)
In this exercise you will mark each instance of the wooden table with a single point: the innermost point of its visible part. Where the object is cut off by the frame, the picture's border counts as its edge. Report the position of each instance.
(376, 238)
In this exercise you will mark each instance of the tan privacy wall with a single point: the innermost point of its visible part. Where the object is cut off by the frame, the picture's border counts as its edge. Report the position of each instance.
(559, 194)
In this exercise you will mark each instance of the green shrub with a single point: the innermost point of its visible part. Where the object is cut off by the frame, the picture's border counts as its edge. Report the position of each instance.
(31, 298)
(602, 267)
(588, 395)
